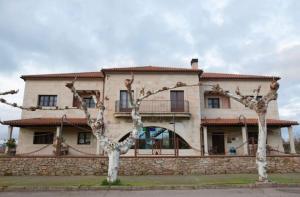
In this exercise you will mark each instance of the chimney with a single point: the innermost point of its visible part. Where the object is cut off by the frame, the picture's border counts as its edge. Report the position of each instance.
(194, 64)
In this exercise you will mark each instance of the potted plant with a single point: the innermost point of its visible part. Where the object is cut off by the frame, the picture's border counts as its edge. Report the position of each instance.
(11, 147)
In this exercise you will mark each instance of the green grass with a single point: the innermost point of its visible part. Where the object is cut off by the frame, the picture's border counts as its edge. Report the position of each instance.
(145, 181)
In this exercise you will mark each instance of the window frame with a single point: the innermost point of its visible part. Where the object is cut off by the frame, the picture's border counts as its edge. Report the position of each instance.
(124, 106)
(38, 137)
(85, 138)
(89, 104)
(51, 99)
(214, 98)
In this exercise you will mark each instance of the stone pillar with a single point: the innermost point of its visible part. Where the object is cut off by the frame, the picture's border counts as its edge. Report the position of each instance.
(292, 140)
(9, 136)
(58, 131)
(10, 132)
(98, 147)
(58, 141)
(245, 140)
(205, 141)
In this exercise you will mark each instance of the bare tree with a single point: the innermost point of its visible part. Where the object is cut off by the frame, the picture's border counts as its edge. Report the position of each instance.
(111, 148)
(260, 106)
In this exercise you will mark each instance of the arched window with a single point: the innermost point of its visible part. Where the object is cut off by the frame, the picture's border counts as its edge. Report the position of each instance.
(158, 137)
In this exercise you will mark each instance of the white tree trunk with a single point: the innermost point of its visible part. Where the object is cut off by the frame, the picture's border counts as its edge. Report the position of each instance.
(261, 159)
(113, 165)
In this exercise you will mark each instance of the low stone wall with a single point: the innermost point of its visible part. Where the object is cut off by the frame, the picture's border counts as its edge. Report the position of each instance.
(21, 166)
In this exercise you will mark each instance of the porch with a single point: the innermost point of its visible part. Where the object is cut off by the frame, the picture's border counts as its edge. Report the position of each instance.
(240, 136)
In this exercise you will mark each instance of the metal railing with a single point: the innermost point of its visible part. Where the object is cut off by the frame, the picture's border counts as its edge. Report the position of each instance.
(156, 106)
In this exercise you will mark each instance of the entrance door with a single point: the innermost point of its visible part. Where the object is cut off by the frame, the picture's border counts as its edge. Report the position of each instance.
(177, 101)
(218, 143)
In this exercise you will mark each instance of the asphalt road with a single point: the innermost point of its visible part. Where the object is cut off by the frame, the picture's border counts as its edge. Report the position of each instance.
(274, 192)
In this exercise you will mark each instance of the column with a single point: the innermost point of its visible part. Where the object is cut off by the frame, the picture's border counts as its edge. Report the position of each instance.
(58, 141)
(98, 147)
(245, 140)
(292, 140)
(9, 136)
(58, 132)
(10, 131)
(205, 141)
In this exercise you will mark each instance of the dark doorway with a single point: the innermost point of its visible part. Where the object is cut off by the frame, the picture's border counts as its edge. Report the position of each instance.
(218, 143)
(177, 101)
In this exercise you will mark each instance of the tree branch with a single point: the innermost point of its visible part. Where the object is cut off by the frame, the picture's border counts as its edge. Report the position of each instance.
(9, 92)
(81, 102)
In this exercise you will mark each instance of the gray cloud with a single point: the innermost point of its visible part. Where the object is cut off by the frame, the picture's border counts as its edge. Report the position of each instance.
(227, 36)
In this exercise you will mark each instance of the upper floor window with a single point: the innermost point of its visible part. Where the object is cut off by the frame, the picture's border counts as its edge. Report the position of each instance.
(84, 138)
(124, 104)
(177, 101)
(87, 97)
(213, 102)
(47, 100)
(43, 138)
(90, 103)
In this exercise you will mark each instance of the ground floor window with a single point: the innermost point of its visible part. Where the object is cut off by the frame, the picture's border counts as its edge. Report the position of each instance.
(43, 138)
(159, 138)
(84, 138)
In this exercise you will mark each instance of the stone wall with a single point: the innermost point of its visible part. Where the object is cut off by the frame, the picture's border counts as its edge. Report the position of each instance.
(21, 166)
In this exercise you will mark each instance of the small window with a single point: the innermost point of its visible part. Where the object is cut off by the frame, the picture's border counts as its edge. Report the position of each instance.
(124, 104)
(84, 138)
(43, 138)
(47, 100)
(90, 103)
(213, 103)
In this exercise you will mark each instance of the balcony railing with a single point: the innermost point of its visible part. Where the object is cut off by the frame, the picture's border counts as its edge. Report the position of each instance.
(156, 107)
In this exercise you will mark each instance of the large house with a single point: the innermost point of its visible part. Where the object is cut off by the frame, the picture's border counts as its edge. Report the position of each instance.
(188, 121)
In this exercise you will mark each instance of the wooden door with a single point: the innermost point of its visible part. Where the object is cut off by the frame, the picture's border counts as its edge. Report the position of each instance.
(177, 101)
(218, 143)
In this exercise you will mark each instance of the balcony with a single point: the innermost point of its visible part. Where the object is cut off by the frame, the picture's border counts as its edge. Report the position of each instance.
(155, 108)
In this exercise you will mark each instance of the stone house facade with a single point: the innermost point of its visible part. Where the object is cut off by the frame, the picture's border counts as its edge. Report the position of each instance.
(188, 121)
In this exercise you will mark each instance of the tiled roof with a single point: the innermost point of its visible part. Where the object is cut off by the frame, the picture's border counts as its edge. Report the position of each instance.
(152, 69)
(233, 122)
(45, 122)
(98, 74)
(82, 122)
(207, 75)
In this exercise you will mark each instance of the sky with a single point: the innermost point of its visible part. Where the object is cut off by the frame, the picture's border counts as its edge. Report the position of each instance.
(232, 36)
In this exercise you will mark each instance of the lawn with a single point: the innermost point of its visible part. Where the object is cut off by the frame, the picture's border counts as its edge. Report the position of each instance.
(144, 181)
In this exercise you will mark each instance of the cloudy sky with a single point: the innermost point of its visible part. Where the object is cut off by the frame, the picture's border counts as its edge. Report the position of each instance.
(252, 37)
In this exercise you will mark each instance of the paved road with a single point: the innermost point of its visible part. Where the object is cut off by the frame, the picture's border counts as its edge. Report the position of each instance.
(274, 192)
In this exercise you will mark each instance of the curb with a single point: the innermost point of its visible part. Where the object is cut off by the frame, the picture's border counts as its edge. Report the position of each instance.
(139, 188)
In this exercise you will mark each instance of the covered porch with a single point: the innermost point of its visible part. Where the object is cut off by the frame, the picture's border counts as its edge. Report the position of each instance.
(239, 136)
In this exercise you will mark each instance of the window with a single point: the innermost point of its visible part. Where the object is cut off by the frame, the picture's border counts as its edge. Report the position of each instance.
(43, 138)
(257, 98)
(84, 138)
(213, 103)
(47, 100)
(124, 104)
(177, 101)
(90, 103)
(158, 138)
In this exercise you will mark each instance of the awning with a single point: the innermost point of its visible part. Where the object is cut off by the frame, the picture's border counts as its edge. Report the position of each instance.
(45, 122)
(249, 121)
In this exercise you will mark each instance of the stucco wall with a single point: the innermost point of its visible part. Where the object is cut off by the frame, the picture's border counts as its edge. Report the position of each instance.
(236, 109)
(23, 166)
(187, 128)
(34, 88)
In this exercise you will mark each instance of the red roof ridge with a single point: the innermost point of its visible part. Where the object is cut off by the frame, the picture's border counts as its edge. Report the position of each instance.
(95, 74)
(214, 75)
(249, 121)
(151, 68)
